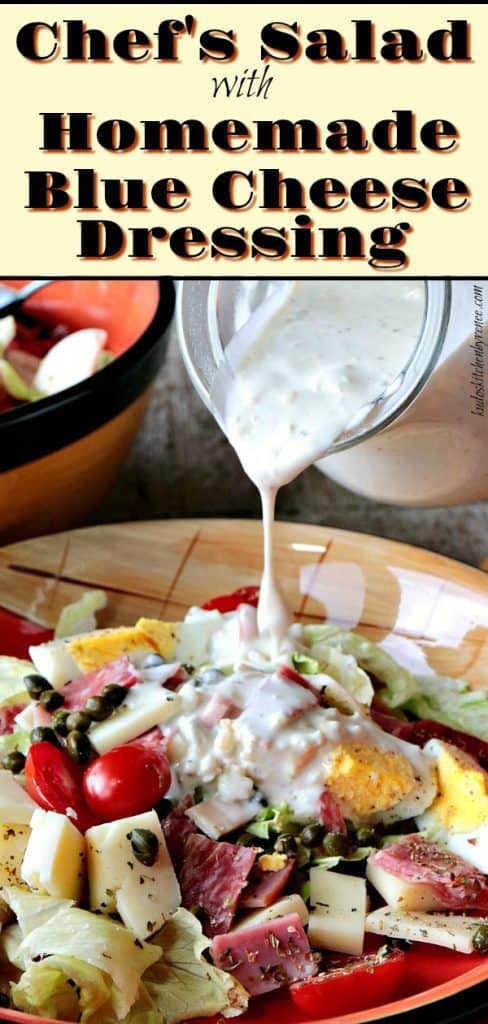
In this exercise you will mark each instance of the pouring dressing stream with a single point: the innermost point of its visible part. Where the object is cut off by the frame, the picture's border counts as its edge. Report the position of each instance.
(306, 365)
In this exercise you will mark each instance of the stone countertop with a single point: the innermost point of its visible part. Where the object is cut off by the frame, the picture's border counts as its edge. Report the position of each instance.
(182, 466)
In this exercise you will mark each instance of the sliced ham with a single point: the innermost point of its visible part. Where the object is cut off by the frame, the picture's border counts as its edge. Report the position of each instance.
(274, 703)
(120, 672)
(248, 623)
(294, 677)
(267, 956)
(8, 716)
(456, 884)
(265, 887)
(218, 707)
(331, 815)
(212, 877)
(177, 827)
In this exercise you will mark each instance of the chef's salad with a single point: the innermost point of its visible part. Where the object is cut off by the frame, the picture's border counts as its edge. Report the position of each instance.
(187, 824)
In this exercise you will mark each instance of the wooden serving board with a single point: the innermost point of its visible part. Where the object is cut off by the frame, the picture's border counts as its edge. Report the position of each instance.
(423, 602)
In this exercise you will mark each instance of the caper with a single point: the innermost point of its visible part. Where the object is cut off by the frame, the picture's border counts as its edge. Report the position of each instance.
(78, 721)
(114, 693)
(145, 845)
(286, 843)
(99, 708)
(335, 844)
(35, 685)
(480, 939)
(59, 722)
(14, 762)
(79, 746)
(209, 677)
(312, 835)
(366, 837)
(153, 661)
(51, 700)
(163, 808)
(42, 734)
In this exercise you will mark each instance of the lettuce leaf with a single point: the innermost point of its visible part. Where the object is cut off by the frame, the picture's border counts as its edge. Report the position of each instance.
(451, 702)
(399, 685)
(31, 909)
(19, 740)
(12, 673)
(342, 667)
(62, 987)
(182, 984)
(142, 1012)
(52, 927)
(361, 853)
(79, 617)
(272, 820)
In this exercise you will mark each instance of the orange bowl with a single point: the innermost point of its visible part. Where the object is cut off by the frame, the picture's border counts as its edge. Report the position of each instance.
(58, 455)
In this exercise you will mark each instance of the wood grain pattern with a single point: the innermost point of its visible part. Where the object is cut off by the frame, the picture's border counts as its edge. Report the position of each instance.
(421, 601)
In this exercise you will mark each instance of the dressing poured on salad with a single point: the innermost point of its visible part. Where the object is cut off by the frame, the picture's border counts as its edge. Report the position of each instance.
(189, 820)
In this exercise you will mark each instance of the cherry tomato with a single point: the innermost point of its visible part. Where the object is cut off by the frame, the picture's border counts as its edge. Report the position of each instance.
(358, 985)
(230, 602)
(17, 634)
(127, 780)
(54, 781)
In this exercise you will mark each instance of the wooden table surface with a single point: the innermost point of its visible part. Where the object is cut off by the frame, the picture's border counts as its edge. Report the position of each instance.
(181, 466)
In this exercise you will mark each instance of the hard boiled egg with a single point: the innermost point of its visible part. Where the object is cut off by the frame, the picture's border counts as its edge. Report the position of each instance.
(458, 817)
(59, 661)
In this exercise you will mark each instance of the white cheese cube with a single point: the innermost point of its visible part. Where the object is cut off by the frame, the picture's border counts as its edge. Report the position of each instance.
(195, 636)
(54, 860)
(292, 904)
(143, 896)
(217, 819)
(54, 661)
(16, 806)
(401, 894)
(339, 914)
(453, 931)
(144, 707)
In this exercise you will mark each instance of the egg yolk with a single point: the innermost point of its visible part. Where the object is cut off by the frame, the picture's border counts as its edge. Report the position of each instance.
(462, 803)
(369, 780)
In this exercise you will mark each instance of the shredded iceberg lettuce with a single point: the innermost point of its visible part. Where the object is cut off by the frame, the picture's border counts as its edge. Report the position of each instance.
(398, 685)
(361, 853)
(181, 983)
(12, 674)
(342, 667)
(451, 702)
(79, 617)
(63, 988)
(272, 820)
(10, 741)
(52, 927)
